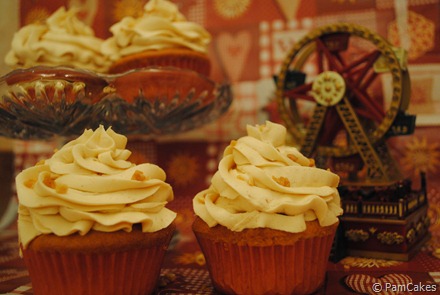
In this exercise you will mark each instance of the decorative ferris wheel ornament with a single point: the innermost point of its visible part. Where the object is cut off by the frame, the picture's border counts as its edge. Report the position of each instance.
(342, 91)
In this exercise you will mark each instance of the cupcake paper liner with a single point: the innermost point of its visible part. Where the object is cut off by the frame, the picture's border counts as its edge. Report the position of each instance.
(297, 268)
(131, 272)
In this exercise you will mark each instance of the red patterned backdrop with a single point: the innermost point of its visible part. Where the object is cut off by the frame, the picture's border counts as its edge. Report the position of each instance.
(250, 40)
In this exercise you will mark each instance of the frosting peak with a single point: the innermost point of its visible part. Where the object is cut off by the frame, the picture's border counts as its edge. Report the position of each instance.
(272, 133)
(101, 151)
(89, 184)
(163, 9)
(261, 182)
(65, 21)
(62, 40)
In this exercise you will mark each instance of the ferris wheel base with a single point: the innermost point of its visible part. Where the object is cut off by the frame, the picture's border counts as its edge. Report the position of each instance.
(384, 222)
(384, 238)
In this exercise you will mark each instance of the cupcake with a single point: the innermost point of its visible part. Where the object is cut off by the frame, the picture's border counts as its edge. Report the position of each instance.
(92, 222)
(267, 222)
(160, 37)
(62, 40)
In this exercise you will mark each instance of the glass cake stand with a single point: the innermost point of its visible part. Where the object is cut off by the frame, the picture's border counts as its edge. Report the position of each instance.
(43, 102)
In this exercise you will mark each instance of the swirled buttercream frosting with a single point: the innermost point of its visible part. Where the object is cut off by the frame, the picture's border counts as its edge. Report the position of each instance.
(161, 26)
(89, 184)
(263, 183)
(62, 40)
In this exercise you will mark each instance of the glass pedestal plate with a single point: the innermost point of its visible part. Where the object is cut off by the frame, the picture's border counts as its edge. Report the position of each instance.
(43, 102)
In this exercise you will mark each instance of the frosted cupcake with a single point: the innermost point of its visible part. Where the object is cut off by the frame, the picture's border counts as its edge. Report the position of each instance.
(161, 37)
(62, 40)
(267, 222)
(92, 222)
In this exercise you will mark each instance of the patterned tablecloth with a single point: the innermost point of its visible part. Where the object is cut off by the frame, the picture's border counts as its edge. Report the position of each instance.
(184, 270)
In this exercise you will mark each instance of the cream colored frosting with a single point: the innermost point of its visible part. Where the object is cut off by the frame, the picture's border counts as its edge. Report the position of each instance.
(62, 40)
(263, 183)
(90, 184)
(161, 26)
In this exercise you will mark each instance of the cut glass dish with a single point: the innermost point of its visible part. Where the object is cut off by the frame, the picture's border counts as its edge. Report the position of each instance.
(42, 102)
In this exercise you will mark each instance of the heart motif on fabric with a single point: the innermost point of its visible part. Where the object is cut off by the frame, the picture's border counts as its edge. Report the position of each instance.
(233, 51)
(384, 285)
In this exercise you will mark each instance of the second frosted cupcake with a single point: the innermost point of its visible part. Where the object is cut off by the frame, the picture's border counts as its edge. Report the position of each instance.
(160, 37)
(267, 222)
